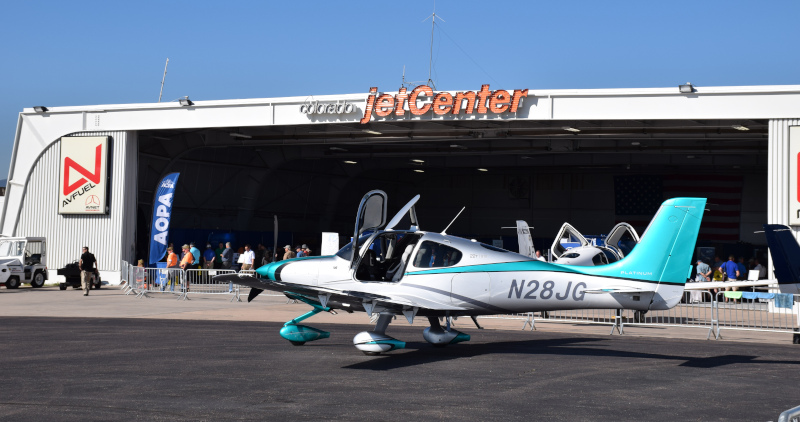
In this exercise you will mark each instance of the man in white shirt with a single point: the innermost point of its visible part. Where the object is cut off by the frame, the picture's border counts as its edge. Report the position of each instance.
(248, 257)
(539, 256)
(762, 271)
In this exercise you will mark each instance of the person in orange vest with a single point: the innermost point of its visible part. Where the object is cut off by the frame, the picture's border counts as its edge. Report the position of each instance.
(186, 262)
(172, 264)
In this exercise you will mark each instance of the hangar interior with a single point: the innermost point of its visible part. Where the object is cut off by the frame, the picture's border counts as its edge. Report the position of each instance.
(591, 174)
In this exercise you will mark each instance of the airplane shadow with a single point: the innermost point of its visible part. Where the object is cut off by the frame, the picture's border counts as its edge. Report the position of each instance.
(419, 353)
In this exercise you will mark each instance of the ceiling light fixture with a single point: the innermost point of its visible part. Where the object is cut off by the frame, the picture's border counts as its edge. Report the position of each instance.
(417, 160)
(338, 149)
(371, 132)
(350, 162)
(636, 143)
(690, 157)
(571, 129)
(740, 127)
(482, 169)
(239, 135)
(419, 171)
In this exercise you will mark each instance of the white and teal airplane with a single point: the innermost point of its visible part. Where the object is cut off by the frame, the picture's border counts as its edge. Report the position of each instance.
(392, 272)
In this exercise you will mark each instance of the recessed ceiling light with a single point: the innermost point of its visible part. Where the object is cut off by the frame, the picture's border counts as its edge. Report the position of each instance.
(417, 160)
(571, 129)
(740, 127)
(337, 149)
(372, 132)
(525, 157)
(690, 156)
(483, 170)
(457, 146)
(419, 171)
(350, 162)
(239, 135)
(635, 143)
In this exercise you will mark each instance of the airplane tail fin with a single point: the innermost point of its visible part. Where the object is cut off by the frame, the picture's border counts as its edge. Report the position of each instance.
(665, 251)
(785, 256)
(524, 239)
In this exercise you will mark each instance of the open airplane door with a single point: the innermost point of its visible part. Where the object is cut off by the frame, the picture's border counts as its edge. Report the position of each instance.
(371, 216)
(619, 242)
(571, 235)
(407, 209)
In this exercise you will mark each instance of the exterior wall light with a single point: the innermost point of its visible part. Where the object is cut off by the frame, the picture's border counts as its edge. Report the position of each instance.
(686, 89)
(185, 101)
(40, 109)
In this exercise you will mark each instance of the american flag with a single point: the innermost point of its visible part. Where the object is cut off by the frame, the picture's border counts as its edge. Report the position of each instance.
(638, 197)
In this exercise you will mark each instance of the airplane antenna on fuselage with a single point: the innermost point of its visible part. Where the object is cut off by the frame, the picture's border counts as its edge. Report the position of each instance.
(454, 220)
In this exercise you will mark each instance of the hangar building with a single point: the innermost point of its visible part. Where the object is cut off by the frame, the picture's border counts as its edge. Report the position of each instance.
(589, 157)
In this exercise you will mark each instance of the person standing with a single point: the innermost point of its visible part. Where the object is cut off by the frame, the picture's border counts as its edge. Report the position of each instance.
(187, 261)
(195, 256)
(703, 274)
(539, 256)
(88, 266)
(306, 250)
(299, 252)
(247, 258)
(742, 269)
(208, 258)
(227, 256)
(287, 252)
(218, 252)
(731, 271)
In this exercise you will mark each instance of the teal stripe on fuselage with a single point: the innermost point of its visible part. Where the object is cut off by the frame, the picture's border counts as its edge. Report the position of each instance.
(502, 267)
(268, 270)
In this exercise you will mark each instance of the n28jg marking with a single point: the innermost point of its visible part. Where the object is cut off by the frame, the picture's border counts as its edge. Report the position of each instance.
(546, 292)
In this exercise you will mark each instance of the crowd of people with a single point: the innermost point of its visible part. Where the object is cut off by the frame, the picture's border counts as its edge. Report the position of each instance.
(226, 257)
(726, 271)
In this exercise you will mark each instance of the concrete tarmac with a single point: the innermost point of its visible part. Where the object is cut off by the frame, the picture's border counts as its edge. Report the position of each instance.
(113, 357)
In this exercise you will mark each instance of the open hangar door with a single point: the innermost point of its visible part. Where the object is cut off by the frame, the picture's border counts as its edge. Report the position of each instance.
(592, 174)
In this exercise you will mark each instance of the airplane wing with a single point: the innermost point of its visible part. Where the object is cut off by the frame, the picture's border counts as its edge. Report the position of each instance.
(356, 299)
(706, 285)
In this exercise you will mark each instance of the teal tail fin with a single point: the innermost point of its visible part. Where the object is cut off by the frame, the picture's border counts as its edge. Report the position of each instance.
(664, 254)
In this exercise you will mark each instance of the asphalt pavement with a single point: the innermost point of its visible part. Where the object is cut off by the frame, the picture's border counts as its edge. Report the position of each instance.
(100, 368)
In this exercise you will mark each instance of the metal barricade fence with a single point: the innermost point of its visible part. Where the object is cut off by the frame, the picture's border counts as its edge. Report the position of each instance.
(202, 282)
(773, 312)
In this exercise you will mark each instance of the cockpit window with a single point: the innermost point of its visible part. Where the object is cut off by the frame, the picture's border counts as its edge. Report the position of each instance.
(571, 255)
(599, 259)
(435, 255)
(493, 248)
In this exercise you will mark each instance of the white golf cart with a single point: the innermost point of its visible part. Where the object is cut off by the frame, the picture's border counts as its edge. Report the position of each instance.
(23, 260)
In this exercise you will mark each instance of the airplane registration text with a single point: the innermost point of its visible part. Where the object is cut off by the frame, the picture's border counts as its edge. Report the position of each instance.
(547, 291)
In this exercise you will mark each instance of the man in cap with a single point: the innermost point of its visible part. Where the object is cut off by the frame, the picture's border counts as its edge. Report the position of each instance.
(306, 250)
(300, 252)
(209, 257)
(195, 256)
(288, 254)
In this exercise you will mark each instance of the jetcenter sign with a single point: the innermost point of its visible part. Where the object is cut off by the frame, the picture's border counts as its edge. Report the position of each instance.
(82, 184)
(422, 100)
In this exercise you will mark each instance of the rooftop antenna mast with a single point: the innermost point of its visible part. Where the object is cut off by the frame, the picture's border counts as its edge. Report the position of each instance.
(430, 61)
(162, 80)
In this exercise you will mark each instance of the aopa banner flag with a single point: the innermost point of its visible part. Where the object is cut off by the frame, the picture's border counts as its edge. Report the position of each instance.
(162, 209)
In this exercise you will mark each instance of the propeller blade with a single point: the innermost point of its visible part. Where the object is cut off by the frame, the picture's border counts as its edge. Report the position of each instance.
(275, 242)
(253, 294)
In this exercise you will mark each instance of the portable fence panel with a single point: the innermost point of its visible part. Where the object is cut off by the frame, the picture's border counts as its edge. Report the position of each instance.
(771, 312)
(202, 282)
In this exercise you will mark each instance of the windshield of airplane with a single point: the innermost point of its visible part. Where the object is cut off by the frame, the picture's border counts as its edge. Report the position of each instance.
(347, 251)
(12, 248)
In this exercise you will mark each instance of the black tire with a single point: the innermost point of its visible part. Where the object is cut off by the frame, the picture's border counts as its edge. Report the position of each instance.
(12, 283)
(97, 286)
(371, 353)
(62, 286)
(38, 280)
(297, 343)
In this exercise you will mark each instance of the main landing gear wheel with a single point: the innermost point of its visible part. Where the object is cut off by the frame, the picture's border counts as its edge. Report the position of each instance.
(297, 343)
(441, 337)
(375, 342)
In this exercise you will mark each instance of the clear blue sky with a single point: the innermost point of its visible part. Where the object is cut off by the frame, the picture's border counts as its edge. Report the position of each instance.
(60, 53)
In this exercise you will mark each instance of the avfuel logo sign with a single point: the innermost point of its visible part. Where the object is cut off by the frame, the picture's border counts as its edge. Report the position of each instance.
(794, 176)
(422, 100)
(82, 184)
